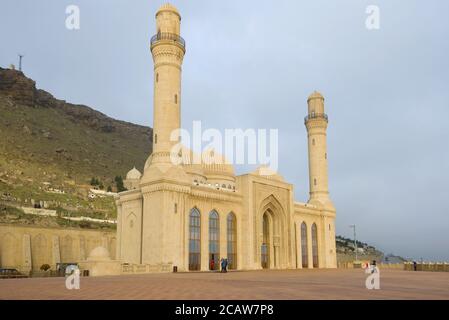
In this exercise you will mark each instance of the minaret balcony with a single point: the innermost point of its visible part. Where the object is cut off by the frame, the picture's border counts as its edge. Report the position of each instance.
(165, 36)
(317, 116)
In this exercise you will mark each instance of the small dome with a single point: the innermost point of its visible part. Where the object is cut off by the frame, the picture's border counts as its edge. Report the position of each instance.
(133, 174)
(168, 7)
(268, 173)
(215, 163)
(315, 95)
(99, 254)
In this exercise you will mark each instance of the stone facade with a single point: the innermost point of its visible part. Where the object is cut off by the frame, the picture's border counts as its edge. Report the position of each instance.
(188, 215)
(28, 248)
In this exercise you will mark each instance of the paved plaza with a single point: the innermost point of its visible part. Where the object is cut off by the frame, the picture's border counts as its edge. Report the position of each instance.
(270, 284)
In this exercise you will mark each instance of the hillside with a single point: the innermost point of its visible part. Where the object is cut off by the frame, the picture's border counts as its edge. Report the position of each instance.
(49, 144)
(346, 250)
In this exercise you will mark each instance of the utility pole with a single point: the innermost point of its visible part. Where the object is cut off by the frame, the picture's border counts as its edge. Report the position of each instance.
(20, 61)
(355, 241)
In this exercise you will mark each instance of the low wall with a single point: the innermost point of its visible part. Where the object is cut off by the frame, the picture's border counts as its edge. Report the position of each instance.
(145, 268)
(408, 266)
(27, 248)
(427, 266)
(39, 212)
(350, 265)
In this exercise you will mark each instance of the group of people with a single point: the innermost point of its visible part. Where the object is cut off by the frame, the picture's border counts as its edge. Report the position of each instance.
(223, 263)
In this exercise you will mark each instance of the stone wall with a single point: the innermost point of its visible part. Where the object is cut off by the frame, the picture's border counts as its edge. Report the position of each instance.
(427, 266)
(28, 248)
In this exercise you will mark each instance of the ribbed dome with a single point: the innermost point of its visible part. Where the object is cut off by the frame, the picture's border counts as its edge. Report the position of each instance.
(133, 174)
(168, 7)
(216, 164)
(315, 95)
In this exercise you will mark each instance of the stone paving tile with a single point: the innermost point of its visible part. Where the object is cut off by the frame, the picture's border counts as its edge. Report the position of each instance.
(264, 285)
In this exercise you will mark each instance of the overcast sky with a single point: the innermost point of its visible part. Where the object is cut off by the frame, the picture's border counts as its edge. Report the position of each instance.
(252, 64)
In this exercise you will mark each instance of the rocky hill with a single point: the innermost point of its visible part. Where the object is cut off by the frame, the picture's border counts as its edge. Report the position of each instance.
(365, 252)
(49, 144)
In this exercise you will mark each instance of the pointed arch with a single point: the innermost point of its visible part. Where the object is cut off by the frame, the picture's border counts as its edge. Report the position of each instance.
(131, 220)
(194, 239)
(304, 246)
(315, 245)
(271, 202)
(214, 240)
(271, 223)
(231, 236)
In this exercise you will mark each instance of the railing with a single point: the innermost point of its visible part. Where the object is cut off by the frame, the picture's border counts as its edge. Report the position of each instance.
(316, 116)
(168, 36)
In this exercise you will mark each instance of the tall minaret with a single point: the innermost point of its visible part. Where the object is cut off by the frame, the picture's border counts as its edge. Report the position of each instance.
(316, 124)
(168, 49)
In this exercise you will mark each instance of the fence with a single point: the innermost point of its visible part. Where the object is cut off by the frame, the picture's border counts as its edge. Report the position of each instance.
(145, 268)
(427, 266)
(408, 266)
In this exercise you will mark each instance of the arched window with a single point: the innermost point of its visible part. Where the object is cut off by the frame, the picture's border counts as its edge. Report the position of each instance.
(315, 245)
(194, 240)
(304, 252)
(265, 249)
(232, 240)
(214, 241)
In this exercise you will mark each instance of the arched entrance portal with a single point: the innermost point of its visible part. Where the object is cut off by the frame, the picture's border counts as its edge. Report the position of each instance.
(273, 244)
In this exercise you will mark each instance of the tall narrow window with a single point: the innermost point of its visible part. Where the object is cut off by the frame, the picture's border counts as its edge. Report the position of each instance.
(265, 249)
(157, 77)
(155, 139)
(304, 252)
(214, 241)
(194, 240)
(232, 240)
(313, 142)
(176, 98)
(314, 182)
(315, 245)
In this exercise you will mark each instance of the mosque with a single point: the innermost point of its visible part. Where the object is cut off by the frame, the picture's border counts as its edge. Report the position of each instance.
(190, 215)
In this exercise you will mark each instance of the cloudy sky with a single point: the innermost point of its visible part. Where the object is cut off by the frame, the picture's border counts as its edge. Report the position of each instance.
(252, 64)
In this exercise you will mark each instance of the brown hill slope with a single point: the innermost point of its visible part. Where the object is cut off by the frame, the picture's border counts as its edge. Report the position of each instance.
(49, 142)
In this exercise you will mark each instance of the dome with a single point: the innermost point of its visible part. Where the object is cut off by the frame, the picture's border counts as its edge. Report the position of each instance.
(315, 95)
(216, 164)
(168, 7)
(133, 174)
(268, 173)
(99, 254)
